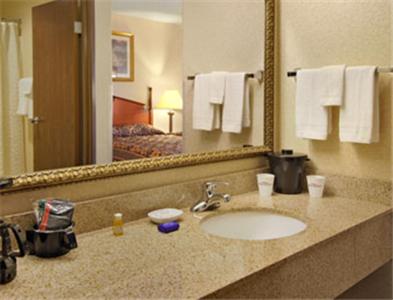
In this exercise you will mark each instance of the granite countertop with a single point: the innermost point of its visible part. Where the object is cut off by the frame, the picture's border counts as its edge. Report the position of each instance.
(187, 263)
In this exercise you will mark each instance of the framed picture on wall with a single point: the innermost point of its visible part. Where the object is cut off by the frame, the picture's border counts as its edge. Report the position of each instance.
(123, 64)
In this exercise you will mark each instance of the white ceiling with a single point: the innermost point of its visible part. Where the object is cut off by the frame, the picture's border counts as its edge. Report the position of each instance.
(168, 11)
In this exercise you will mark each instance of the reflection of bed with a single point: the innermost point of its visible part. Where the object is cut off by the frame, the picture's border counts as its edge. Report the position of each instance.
(133, 135)
(140, 146)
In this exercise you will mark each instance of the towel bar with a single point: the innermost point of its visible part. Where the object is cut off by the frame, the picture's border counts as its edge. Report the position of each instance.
(257, 75)
(379, 69)
(17, 21)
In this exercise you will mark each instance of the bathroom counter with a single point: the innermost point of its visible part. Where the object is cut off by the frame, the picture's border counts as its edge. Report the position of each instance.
(192, 264)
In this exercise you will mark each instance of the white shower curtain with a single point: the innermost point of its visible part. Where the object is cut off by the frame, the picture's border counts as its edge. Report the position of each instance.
(12, 149)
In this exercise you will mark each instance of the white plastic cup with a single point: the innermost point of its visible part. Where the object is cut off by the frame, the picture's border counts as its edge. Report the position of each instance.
(265, 184)
(316, 185)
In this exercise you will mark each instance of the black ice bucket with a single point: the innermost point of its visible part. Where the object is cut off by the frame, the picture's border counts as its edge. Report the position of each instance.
(51, 243)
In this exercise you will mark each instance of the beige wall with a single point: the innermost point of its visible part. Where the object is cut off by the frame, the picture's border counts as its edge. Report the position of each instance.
(222, 36)
(158, 63)
(324, 32)
(22, 9)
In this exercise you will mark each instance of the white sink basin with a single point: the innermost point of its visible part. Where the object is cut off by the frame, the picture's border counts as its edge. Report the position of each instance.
(252, 225)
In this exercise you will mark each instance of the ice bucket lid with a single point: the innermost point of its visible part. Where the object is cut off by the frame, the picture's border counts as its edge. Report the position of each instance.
(287, 153)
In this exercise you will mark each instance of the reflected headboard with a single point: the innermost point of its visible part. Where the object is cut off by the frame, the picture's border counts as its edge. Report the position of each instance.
(127, 111)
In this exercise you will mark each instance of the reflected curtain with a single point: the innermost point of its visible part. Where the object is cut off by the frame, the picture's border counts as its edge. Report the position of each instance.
(12, 148)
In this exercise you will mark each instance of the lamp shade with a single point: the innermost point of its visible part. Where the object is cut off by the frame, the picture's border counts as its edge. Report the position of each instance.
(170, 99)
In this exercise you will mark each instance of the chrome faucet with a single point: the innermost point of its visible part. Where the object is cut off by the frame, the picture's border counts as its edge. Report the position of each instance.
(211, 199)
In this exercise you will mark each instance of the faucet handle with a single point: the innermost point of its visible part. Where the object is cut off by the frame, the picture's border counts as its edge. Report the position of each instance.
(210, 186)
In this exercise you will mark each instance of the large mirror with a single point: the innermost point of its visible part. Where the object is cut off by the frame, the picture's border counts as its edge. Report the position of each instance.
(95, 82)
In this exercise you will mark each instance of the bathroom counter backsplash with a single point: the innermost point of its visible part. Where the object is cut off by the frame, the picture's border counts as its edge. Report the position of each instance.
(188, 263)
(98, 213)
(364, 189)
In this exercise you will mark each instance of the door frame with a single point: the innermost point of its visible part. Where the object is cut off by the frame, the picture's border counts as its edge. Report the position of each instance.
(87, 18)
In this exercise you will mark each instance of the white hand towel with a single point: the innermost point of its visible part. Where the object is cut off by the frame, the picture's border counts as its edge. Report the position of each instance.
(25, 105)
(204, 113)
(26, 85)
(217, 87)
(312, 119)
(332, 85)
(236, 103)
(359, 115)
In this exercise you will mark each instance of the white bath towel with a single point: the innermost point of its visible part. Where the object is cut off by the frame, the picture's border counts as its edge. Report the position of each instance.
(359, 114)
(236, 111)
(205, 115)
(332, 85)
(217, 87)
(312, 119)
(25, 105)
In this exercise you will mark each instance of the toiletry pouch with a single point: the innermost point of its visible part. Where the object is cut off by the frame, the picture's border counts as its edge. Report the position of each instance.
(53, 214)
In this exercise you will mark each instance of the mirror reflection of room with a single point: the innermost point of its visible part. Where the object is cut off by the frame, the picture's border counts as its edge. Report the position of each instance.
(147, 79)
(41, 100)
(199, 72)
(156, 68)
(16, 105)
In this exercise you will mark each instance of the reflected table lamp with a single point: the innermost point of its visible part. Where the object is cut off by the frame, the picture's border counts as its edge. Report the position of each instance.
(170, 100)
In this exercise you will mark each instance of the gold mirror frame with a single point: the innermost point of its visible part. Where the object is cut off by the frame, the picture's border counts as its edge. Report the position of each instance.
(81, 173)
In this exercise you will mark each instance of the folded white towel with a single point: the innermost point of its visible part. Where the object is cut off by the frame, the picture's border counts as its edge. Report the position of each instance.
(217, 87)
(204, 113)
(332, 85)
(312, 119)
(236, 111)
(25, 105)
(359, 114)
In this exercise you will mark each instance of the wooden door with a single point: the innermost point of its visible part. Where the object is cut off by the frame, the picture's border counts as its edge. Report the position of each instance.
(56, 85)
